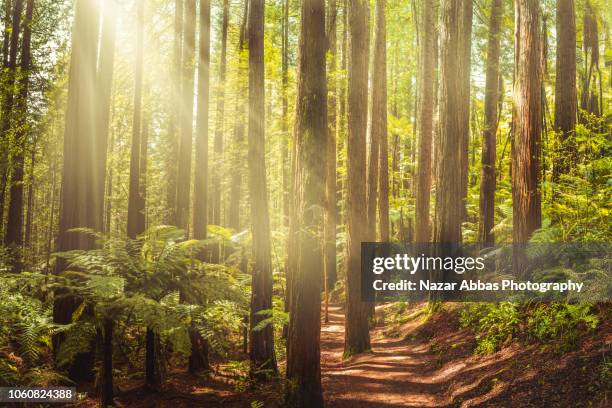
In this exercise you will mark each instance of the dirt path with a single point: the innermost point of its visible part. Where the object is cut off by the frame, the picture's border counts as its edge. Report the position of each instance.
(395, 374)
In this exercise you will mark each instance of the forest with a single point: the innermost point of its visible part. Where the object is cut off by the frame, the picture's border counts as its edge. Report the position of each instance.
(186, 185)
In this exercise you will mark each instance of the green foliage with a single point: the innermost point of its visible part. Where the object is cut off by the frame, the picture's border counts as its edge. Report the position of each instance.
(560, 322)
(495, 324)
(26, 328)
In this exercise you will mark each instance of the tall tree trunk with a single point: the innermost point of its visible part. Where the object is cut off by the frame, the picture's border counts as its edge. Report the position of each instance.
(7, 103)
(465, 48)
(30, 201)
(425, 124)
(527, 121)
(489, 139)
(186, 116)
(286, 177)
(136, 213)
(342, 118)
(330, 181)
(261, 341)
(565, 89)
(357, 336)
(383, 173)
(311, 138)
(81, 204)
(239, 127)
(175, 112)
(449, 202)
(103, 93)
(200, 195)
(198, 359)
(6, 38)
(14, 231)
(219, 123)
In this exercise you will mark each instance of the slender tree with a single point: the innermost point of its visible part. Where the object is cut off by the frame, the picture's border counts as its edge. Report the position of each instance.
(136, 203)
(378, 117)
(425, 124)
(239, 127)
(200, 195)
(489, 139)
(14, 231)
(449, 201)
(175, 111)
(186, 117)
(565, 88)
(103, 92)
(219, 123)
(261, 345)
(464, 54)
(357, 336)
(286, 177)
(381, 115)
(7, 100)
(527, 123)
(330, 181)
(6, 37)
(198, 359)
(311, 138)
(81, 204)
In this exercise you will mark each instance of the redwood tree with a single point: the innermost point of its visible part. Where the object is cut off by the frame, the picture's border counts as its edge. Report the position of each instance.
(14, 231)
(186, 117)
(527, 123)
(425, 123)
(81, 203)
(311, 138)
(566, 98)
(261, 345)
(449, 201)
(357, 336)
(215, 209)
(330, 177)
(136, 202)
(489, 140)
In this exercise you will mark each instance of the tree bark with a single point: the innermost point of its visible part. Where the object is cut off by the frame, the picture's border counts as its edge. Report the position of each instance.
(198, 359)
(103, 92)
(465, 48)
(175, 112)
(450, 191)
(239, 128)
(527, 121)
(330, 181)
(136, 203)
(357, 336)
(311, 138)
(219, 123)
(425, 125)
(261, 343)
(566, 98)
(14, 231)
(200, 197)
(286, 177)
(489, 139)
(7, 102)
(186, 118)
(81, 204)
(381, 114)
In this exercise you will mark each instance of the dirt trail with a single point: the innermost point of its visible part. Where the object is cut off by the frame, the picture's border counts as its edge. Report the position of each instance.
(395, 374)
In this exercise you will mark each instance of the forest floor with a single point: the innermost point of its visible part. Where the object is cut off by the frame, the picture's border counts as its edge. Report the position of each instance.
(430, 363)
(416, 361)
